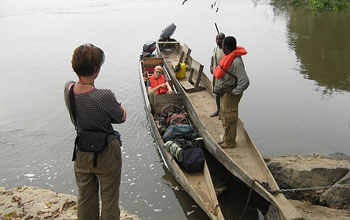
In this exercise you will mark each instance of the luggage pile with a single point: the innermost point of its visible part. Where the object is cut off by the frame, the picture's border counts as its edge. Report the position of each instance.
(181, 139)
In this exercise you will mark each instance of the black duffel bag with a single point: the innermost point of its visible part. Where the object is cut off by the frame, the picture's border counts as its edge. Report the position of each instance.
(193, 156)
(193, 160)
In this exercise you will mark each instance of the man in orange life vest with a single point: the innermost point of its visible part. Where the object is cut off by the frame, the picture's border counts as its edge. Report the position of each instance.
(157, 84)
(233, 80)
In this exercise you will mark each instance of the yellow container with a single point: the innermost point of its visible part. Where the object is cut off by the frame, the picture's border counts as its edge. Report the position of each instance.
(181, 74)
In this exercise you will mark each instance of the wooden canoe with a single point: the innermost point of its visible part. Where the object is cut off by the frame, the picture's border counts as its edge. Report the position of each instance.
(198, 185)
(244, 161)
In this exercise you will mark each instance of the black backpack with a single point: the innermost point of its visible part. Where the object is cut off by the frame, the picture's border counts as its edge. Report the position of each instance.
(193, 157)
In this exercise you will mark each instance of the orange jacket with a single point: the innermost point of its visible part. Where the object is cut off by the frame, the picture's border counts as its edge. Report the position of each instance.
(226, 61)
(155, 82)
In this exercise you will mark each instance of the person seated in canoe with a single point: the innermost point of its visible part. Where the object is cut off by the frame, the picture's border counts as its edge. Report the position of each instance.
(157, 84)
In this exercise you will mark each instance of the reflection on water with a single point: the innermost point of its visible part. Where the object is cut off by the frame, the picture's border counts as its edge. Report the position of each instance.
(190, 208)
(235, 199)
(322, 45)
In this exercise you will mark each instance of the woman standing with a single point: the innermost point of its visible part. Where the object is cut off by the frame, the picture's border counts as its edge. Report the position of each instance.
(95, 110)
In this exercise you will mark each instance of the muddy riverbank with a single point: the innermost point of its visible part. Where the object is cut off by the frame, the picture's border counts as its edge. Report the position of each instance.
(34, 203)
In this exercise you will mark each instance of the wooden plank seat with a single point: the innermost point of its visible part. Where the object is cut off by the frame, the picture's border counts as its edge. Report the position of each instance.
(170, 46)
(196, 72)
(184, 57)
(194, 68)
(148, 65)
(165, 99)
(185, 54)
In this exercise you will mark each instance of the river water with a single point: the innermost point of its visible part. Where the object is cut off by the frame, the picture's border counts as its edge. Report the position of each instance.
(298, 101)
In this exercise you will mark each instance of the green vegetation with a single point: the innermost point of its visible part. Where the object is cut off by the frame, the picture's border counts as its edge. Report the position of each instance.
(318, 5)
(335, 5)
(10, 215)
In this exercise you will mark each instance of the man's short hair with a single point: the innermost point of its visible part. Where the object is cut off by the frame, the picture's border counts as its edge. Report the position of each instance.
(230, 42)
(221, 34)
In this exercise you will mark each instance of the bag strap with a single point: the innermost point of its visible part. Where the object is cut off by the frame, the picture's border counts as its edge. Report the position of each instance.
(74, 112)
(72, 104)
(73, 109)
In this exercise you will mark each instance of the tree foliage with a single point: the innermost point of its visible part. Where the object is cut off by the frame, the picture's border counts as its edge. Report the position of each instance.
(336, 5)
(317, 5)
(314, 5)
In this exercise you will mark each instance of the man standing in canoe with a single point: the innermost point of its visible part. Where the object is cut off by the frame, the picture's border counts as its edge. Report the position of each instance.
(232, 80)
(217, 54)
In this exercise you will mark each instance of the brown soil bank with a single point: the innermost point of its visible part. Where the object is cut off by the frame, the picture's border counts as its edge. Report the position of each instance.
(316, 212)
(36, 204)
(289, 171)
(33, 203)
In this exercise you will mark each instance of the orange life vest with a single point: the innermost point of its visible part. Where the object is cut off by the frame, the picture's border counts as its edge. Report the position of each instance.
(226, 61)
(155, 82)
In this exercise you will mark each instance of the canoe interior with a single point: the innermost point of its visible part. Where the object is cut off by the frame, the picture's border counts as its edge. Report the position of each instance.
(198, 185)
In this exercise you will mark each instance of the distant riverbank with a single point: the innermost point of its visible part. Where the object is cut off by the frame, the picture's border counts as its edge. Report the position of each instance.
(317, 5)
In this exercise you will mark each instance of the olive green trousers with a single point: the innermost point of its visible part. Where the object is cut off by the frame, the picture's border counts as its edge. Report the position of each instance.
(229, 115)
(103, 180)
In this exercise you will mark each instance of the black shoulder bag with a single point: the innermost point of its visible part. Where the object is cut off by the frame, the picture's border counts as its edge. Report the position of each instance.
(86, 141)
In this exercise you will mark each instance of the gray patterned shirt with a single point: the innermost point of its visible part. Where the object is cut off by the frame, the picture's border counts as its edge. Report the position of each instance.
(96, 109)
(236, 69)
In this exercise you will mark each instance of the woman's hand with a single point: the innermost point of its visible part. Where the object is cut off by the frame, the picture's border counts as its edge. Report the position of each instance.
(124, 114)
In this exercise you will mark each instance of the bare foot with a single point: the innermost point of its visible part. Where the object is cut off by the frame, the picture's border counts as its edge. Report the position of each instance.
(214, 114)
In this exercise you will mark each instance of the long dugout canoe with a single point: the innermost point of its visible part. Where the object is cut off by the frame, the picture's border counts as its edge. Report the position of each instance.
(244, 161)
(199, 184)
